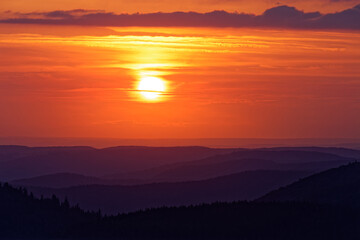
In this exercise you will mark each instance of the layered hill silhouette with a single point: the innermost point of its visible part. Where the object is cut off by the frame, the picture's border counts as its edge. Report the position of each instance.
(114, 199)
(26, 217)
(73, 166)
(335, 186)
(24, 162)
(344, 152)
(245, 160)
(12, 152)
(63, 180)
(191, 175)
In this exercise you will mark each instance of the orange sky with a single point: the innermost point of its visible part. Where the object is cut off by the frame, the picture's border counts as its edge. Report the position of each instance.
(81, 82)
(133, 6)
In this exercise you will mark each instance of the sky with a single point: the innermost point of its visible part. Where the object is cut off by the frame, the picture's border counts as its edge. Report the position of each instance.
(258, 69)
(146, 6)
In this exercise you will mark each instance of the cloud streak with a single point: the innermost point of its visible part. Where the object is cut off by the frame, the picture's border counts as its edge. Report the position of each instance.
(277, 17)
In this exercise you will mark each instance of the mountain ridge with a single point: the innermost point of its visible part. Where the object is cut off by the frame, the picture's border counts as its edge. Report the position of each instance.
(121, 198)
(334, 186)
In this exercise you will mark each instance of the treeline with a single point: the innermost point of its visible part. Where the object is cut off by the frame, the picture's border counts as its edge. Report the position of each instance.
(24, 217)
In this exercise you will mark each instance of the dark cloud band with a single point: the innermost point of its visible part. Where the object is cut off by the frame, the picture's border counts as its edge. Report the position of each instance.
(278, 17)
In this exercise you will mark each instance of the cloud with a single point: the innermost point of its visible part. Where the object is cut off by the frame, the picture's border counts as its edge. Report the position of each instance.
(69, 14)
(59, 14)
(277, 17)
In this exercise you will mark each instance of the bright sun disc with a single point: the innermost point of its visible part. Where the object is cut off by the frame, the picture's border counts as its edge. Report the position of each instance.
(151, 87)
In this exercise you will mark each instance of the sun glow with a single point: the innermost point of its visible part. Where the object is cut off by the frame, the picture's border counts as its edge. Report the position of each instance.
(151, 88)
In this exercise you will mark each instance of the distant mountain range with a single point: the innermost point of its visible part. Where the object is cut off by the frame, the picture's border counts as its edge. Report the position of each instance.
(353, 143)
(344, 152)
(64, 180)
(24, 162)
(136, 165)
(114, 199)
(241, 160)
(144, 177)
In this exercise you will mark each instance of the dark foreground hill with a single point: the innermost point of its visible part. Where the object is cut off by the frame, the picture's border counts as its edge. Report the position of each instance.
(114, 199)
(25, 217)
(335, 186)
(22, 216)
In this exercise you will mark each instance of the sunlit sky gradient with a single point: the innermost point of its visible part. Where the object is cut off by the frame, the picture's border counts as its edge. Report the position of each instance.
(143, 6)
(83, 81)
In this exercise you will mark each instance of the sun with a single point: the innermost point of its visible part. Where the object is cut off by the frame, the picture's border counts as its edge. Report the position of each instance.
(151, 88)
